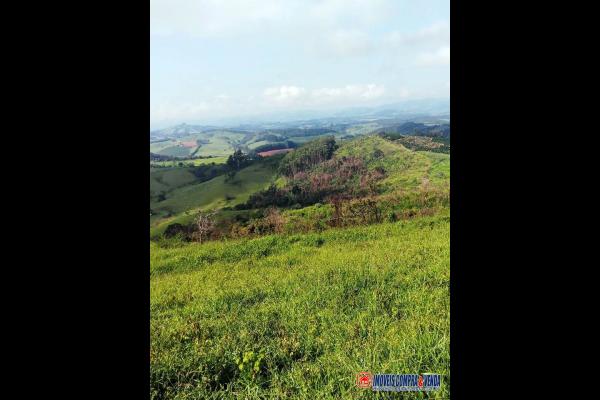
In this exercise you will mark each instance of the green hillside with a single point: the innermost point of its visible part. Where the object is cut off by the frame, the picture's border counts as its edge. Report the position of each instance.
(323, 262)
(407, 174)
(405, 169)
(168, 179)
(217, 143)
(199, 142)
(195, 161)
(214, 194)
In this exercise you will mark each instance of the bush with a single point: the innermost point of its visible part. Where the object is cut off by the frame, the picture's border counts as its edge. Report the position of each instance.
(177, 230)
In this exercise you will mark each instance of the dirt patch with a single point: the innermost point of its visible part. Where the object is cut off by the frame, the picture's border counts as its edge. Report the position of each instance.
(190, 144)
(273, 152)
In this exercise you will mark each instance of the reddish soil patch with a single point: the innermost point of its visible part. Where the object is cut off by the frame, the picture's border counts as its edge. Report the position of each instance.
(273, 152)
(189, 144)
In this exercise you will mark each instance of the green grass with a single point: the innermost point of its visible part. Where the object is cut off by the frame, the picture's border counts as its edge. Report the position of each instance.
(168, 179)
(406, 172)
(210, 195)
(195, 162)
(221, 143)
(297, 316)
(157, 147)
(176, 151)
(362, 129)
(305, 139)
(254, 145)
(439, 170)
(405, 169)
(217, 147)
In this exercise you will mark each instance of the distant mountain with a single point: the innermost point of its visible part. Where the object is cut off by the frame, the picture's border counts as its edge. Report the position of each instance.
(406, 109)
(190, 140)
(179, 130)
(403, 110)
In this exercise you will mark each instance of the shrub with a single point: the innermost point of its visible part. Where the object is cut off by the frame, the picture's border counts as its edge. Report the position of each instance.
(177, 230)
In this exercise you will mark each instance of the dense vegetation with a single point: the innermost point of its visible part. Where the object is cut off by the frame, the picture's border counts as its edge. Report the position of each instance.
(366, 180)
(420, 143)
(288, 144)
(418, 129)
(188, 142)
(160, 157)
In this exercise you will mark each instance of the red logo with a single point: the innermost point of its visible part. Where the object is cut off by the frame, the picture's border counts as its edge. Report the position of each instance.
(420, 381)
(364, 380)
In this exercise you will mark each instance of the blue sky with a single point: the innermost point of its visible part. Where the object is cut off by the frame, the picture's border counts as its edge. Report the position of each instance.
(213, 59)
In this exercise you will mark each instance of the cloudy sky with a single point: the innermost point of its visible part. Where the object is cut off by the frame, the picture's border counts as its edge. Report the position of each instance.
(212, 59)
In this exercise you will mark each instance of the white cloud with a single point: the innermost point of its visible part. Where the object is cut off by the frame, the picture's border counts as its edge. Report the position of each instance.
(212, 17)
(215, 56)
(284, 94)
(439, 57)
(224, 17)
(363, 13)
(348, 93)
(285, 97)
(344, 43)
(434, 34)
(359, 43)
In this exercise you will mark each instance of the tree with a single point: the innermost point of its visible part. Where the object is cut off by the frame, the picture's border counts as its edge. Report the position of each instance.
(204, 224)
(237, 160)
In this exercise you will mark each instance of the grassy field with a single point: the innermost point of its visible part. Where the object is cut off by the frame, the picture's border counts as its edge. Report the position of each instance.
(405, 169)
(363, 129)
(218, 146)
(299, 313)
(158, 147)
(217, 193)
(195, 162)
(168, 179)
(297, 316)
(217, 143)
(439, 168)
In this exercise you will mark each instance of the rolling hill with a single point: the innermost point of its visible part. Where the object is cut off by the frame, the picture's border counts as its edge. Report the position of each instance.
(193, 141)
(326, 261)
(186, 196)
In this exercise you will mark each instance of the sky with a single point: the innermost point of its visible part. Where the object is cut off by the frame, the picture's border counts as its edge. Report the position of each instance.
(219, 59)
